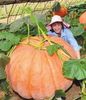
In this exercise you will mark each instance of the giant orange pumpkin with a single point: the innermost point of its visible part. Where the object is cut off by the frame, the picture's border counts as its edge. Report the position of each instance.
(33, 73)
(62, 12)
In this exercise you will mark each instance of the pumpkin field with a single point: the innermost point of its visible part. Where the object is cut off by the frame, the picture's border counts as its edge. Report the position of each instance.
(35, 65)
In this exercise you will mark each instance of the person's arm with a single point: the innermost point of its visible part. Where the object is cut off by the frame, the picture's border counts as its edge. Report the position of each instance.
(78, 54)
(51, 33)
(72, 41)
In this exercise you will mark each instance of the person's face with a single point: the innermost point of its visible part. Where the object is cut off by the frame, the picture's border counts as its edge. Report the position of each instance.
(57, 27)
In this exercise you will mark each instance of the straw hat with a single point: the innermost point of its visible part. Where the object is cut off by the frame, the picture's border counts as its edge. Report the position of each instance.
(57, 18)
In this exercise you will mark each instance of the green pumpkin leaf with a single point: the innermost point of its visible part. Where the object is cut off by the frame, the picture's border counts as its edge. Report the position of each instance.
(3, 26)
(75, 69)
(33, 19)
(51, 49)
(16, 25)
(77, 30)
(12, 38)
(5, 45)
(7, 40)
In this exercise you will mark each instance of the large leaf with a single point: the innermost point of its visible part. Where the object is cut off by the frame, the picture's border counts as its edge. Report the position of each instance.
(75, 69)
(7, 40)
(53, 48)
(77, 30)
(16, 25)
(5, 45)
(14, 39)
(3, 26)
(34, 19)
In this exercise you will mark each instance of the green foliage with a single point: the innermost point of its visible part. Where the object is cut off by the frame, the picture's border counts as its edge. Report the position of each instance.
(83, 97)
(42, 26)
(78, 8)
(73, 18)
(7, 40)
(4, 86)
(59, 93)
(56, 6)
(84, 35)
(4, 26)
(76, 28)
(51, 49)
(16, 25)
(2, 73)
(75, 69)
(3, 61)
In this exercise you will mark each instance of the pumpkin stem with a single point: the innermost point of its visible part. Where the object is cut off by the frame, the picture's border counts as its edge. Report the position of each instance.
(45, 36)
(11, 51)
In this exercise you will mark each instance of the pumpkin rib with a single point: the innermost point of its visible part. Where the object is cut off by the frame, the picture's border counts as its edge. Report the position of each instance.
(61, 77)
(17, 61)
(36, 88)
(45, 87)
(50, 67)
(50, 90)
(29, 75)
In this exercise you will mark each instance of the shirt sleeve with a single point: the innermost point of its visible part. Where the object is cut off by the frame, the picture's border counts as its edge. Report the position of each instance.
(72, 41)
(51, 33)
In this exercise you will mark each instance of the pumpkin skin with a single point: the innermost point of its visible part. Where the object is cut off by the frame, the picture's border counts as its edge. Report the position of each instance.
(82, 18)
(33, 73)
(62, 12)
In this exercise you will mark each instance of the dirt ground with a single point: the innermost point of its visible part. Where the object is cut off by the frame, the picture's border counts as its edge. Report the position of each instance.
(73, 93)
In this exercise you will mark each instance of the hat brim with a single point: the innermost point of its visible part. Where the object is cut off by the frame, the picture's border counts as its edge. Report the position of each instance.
(64, 23)
(55, 22)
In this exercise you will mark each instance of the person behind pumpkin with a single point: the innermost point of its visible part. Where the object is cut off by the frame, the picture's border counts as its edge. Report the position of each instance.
(57, 27)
